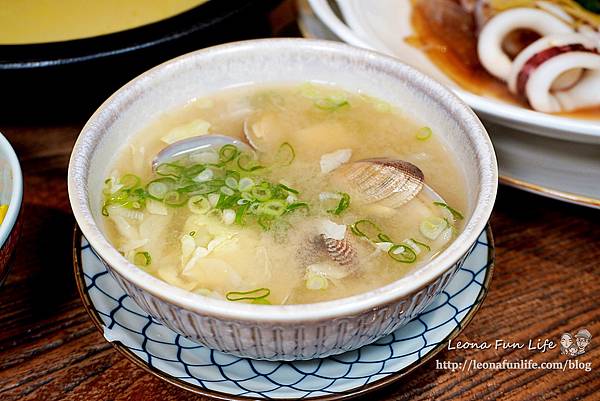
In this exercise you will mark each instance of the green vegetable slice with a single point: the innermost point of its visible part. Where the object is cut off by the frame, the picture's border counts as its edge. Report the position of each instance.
(142, 259)
(365, 228)
(424, 133)
(402, 253)
(252, 295)
(455, 213)
(343, 204)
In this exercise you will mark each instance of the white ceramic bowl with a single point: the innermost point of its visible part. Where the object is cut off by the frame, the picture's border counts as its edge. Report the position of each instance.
(384, 25)
(290, 331)
(11, 193)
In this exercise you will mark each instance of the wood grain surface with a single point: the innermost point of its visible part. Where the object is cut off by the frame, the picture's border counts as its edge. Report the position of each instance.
(546, 282)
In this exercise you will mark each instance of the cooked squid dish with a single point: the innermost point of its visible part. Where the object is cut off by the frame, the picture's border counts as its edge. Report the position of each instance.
(283, 195)
(545, 53)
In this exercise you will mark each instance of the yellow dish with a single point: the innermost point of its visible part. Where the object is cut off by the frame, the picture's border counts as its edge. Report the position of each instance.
(42, 21)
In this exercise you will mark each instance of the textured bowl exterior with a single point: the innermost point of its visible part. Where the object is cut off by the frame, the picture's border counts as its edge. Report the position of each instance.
(12, 193)
(282, 332)
(291, 340)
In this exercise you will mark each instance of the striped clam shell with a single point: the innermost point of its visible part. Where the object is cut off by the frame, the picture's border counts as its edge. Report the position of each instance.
(340, 251)
(390, 182)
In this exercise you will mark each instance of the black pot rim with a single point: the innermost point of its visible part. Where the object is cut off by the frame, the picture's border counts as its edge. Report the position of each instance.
(198, 18)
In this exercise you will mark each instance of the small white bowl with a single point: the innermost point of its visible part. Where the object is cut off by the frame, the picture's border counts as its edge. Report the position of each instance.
(11, 193)
(290, 331)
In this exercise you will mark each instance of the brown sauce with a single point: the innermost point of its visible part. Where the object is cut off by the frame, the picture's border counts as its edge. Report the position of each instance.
(457, 63)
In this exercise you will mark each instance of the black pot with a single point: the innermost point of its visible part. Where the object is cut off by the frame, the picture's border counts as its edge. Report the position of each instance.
(66, 80)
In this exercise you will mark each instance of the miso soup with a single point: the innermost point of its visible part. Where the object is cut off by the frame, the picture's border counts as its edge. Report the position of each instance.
(303, 194)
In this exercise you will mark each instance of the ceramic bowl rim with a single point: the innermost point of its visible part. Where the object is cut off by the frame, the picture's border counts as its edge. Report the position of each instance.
(353, 305)
(16, 193)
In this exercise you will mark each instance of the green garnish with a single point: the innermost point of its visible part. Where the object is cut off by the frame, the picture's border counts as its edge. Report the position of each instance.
(130, 181)
(365, 228)
(371, 231)
(384, 237)
(421, 244)
(424, 133)
(331, 103)
(246, 163)
(142, 259)
(402, 253)
(455, 213)
(343, 204)
(285, 154)
(234, 180)
(297, 205)
(227, 153)
(192, 233)
(169, 170)
(258, 295)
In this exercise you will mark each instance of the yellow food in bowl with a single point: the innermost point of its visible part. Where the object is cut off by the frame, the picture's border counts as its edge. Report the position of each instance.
(42, 21)
(3, 210)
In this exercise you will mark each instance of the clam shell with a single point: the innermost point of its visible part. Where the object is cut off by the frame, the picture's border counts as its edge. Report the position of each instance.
(391, 182)
(320, 247)
(340, 251)
(185, 147)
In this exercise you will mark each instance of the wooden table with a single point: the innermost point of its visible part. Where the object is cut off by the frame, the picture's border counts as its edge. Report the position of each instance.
(546, 282)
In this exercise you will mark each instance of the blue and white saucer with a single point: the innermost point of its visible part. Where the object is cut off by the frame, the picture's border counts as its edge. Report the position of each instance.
(196, 368)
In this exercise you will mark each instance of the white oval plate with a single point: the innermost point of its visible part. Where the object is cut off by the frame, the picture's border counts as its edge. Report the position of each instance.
(384, 25)
(567, 171)
(196, 368)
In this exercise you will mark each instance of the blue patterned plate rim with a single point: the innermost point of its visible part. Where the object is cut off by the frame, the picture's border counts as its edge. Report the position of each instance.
(359, 390)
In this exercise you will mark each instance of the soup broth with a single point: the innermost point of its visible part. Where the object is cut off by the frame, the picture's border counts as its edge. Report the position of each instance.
(288, 225)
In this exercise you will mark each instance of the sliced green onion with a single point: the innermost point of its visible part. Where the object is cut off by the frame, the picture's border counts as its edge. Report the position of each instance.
(432, 227)
(331, 103)
(261, 301)
(240, 213)
(343, 204)
(142, 259)
(424, 133)
(130, 181)
(227, 153)
(192, 233)
(316, 282)
(455, 213)
(365, 228)
(261, 193)
(227, 191)
(198, 204)
(259, 293)
(159, 188)
(231, 182)
(285, 154)
(245, 184)
(247, 163)
(169, 170)
(104, 210)
(265, 221)
(285, 187)
(421, 244)
(402, 253)
(174, 198)
(384, 237)
(194, 170)
(274, 207)
(297, 205)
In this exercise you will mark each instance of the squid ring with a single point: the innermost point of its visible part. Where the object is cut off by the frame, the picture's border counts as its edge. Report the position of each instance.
(489, 46)
(586, 93)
